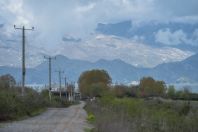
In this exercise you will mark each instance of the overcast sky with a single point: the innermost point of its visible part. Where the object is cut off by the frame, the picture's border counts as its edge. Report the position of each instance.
(54, 19)
(80, 17)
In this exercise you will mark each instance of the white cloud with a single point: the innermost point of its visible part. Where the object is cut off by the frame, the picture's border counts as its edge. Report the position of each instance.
(170, 38)
(16, 9)
(15, 6)
(186, 19)
(178, 7)
(79, 18)
(84, 9)
(167, 37)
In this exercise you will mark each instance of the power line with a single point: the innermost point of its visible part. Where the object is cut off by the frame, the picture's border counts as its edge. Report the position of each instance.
(59, 73)
(23, 56)
(49, 58)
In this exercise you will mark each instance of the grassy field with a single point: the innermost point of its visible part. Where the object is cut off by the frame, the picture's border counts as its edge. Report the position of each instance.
(141, 115)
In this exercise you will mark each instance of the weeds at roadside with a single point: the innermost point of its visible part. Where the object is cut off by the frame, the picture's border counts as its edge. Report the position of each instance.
(88, 130)
(90, 118)
(137, 115)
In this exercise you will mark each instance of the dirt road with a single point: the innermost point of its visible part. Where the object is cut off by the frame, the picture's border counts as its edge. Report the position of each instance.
(72, 119)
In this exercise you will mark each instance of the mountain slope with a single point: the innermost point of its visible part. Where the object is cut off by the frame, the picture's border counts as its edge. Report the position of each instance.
(175, 71)
(120, 71)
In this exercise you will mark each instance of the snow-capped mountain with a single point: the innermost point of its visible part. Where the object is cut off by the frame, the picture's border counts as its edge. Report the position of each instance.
(111, 47)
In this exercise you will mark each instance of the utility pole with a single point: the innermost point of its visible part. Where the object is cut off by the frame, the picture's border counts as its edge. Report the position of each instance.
(50, 72)
(59, 73)
(23, 56)
(65, 82)
(65, 85)
(72, 91)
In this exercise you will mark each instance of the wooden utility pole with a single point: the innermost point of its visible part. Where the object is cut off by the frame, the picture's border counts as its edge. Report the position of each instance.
(50, 72)
(23, 56)
(73, 91)
(59, 73)
(65, 82)
(65, 85)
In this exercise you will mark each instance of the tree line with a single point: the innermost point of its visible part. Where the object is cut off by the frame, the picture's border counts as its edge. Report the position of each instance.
(96, 83)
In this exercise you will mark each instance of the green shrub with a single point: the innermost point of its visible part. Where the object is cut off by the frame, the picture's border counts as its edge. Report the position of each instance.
(184, 110)
(91, 118)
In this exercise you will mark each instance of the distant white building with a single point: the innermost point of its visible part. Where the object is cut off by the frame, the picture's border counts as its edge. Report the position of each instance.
(135, 83)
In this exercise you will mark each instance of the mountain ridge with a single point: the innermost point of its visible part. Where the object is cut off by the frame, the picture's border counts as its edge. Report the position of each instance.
(119, 70)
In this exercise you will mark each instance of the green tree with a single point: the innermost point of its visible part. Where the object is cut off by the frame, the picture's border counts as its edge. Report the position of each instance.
(160, 88)
(186, 92)
(97, 89)
(171, 91)
(120, 90)
(150, 87)
(94, 82)
(7, 81)
(183, 94)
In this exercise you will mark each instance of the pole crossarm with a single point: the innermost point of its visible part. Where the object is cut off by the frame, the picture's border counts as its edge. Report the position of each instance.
(23, 28)
(49, 57)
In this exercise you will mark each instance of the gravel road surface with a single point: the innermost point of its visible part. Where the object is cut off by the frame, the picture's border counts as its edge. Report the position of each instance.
(72, 119)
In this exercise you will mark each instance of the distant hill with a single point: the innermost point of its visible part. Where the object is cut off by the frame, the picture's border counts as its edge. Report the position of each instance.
(178, 70)
(119, 70)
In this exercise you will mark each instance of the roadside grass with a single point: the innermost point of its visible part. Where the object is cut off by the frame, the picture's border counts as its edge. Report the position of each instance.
(137, 115)
(76, 102)
(38, 112)
(13, 106)
(90, 118)
(56, 101)
(23, 117)
(88, 130)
